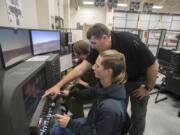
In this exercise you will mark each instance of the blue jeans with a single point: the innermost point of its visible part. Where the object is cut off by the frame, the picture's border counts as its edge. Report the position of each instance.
(57, 130)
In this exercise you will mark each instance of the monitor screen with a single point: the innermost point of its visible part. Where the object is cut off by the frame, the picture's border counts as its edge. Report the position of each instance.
(164, 55)
(32, 92)
(44, 41)
(15, 46)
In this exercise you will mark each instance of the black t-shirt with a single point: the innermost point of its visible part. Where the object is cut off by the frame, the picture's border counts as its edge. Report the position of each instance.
(138, 56)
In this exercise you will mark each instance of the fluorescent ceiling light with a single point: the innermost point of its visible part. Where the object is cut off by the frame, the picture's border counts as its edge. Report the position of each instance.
(157, 7)
(88, 2)
(122, 5)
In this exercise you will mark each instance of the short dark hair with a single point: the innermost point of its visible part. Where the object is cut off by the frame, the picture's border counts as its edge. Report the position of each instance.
(98, 30)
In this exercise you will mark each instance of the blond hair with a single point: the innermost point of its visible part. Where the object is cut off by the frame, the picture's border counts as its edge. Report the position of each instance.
(116, 61)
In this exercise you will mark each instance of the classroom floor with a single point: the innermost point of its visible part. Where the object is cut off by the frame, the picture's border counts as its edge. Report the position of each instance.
(162, 117)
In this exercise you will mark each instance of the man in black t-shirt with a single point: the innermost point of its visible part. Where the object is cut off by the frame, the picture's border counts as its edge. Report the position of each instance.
(142, 69)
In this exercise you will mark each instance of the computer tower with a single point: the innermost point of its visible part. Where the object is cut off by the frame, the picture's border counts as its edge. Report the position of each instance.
(52, 70)
(52, 67)
(175, 61)
(64, 39)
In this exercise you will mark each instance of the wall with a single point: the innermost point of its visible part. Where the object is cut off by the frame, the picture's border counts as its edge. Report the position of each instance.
(36, 13)
(28, 11)
(29, 14)
(61, 8)
(3, 14)
(88, 15)
(66, 13)
(42, 14)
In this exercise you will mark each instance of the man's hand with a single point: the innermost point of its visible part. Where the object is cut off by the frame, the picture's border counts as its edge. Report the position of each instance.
(64, 93)
(80, 81)
(62, 120)
(141, 92)
(53, 90)
(77, 80)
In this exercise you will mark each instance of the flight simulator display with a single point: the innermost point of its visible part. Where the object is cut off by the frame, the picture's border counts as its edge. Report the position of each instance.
(15, 46)
(32, 92)
(44, 41)
(23, 111)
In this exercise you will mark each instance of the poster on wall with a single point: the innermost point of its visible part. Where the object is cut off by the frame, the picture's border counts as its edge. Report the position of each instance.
(14, 10)
(57, 22)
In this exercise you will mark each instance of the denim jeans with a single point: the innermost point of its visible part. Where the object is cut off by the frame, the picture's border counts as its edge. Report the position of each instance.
(57, 130)
(138, 109)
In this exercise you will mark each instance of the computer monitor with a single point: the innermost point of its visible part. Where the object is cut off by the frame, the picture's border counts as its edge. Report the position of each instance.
(45, 41)
(15, 46)
(33, 91)
(164, 56)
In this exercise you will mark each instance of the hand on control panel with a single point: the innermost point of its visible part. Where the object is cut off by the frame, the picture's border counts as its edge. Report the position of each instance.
(64, 93)
(62, 120)
(51, 91)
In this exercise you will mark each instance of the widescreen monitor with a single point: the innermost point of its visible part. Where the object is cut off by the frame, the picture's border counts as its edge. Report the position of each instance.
(45, 41)
(15, 46)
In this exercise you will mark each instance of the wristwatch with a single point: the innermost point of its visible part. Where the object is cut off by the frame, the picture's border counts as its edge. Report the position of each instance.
(147, 88)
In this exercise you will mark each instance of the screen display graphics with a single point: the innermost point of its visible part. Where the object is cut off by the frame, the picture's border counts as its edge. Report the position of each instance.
(45, 41)
(15, 46)
(33, 91)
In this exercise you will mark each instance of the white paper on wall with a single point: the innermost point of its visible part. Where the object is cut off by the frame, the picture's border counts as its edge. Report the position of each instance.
(66, 62)
(14, 9)
(77, 35)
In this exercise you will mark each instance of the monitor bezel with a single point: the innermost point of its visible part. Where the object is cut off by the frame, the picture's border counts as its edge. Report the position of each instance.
(32, 49)
(1, 51)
